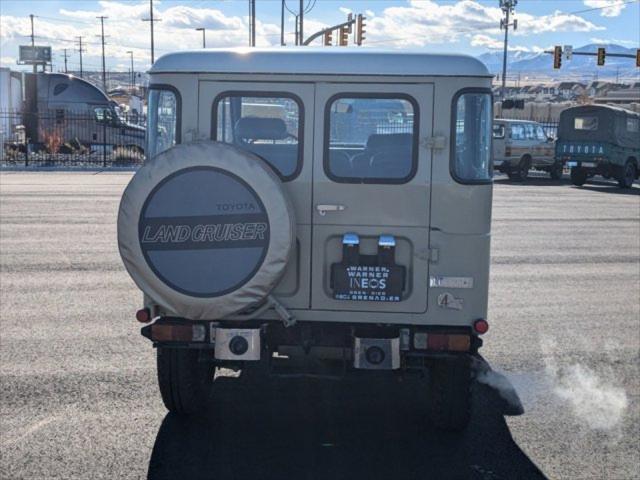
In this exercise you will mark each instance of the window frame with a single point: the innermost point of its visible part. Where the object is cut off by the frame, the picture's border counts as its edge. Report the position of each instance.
(265, 94)
(176, 93)
(415, 142)
(452, 142)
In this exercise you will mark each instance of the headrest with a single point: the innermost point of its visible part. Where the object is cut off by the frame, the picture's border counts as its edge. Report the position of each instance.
(257, 128)
(391, 140)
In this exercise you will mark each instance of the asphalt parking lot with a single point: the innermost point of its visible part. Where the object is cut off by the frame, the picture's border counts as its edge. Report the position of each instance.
(78, 394)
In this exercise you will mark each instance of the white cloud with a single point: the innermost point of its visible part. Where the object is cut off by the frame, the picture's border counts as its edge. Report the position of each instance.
(369, 13)
(425, 22)
(610, 8)
(126, 31)
(7, 61)
(613, 41)
(345, 10)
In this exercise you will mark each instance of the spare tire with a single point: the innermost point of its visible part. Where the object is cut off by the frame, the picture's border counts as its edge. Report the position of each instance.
(205, 230)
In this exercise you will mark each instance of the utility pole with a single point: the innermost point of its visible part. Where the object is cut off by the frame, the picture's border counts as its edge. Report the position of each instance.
(80, 50)
(65, 61)
(133, 74)
(282, 44)
(204, 41)
(301, 29)
(252, 23)
(151, 20)
(507, 7)
(33, 41)
(104, 69)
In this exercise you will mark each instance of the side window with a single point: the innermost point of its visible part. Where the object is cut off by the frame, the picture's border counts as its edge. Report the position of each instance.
(471, 143)
(530, 130)
(269, 126)
(517, 131)
(633, 124)
(163, 120)
(371, 139)
(540, 133)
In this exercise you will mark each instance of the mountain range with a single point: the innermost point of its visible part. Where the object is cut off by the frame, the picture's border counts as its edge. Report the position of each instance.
(529, 66)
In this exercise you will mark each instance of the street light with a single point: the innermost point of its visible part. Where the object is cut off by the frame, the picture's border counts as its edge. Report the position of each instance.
(133, 75)
(204, 42)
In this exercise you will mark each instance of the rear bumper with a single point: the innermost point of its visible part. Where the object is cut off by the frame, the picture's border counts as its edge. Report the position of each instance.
(312, 346)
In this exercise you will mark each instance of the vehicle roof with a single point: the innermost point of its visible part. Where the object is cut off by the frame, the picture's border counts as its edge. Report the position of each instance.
(513, 120)
(612, 108)
(319, 61)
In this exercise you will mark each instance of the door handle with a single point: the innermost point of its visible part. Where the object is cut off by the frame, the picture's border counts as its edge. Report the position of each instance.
(323, 209)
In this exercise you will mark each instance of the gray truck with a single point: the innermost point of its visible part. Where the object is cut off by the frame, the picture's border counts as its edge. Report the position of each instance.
(600, 140)
(314, 212)
(72, 113)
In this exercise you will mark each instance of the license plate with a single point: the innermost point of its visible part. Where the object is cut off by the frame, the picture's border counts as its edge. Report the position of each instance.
(588, 164)
(572, 164)
(367, 283)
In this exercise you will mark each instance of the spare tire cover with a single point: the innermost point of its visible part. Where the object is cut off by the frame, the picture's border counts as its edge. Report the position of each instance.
(205, 230)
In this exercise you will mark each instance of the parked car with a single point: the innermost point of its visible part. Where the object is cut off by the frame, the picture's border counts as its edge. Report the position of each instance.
(347, 232)
(600, 140)
(519, 146)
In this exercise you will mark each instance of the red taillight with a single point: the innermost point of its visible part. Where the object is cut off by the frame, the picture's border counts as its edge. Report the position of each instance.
(143, 315)
(481, 326)
(448, 342)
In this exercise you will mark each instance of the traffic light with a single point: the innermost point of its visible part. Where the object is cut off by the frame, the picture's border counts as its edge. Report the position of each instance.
(328, 38)
(557, 57)
(344, 36)
(601, 55)
(638, 58)
(360, 29)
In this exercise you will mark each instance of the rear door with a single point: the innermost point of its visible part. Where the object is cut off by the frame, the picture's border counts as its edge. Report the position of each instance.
(371, 197)
(253, 116)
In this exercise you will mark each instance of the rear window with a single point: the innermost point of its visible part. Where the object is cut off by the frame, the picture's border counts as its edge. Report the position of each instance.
(471, 142)
(371, 139)
(163, 109)
(268, 125)
(585, 123)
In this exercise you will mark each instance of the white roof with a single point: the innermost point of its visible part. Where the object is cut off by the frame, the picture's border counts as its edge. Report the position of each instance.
(319, 61)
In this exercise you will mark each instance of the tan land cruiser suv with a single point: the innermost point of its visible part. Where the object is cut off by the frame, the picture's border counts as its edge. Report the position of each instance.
(323, 205)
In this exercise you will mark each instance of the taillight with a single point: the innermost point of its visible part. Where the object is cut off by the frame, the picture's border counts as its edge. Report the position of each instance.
(507, 151)
(178, 333)
(448, 342)
(481, 326)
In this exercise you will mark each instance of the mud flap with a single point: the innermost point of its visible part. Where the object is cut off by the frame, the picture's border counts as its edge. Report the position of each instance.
(482, 372)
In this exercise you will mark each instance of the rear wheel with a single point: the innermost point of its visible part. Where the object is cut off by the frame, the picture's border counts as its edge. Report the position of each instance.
(184, 381)
(450, 381)
(578, 176)
(627, 175)
(556, 171)
(521, 171)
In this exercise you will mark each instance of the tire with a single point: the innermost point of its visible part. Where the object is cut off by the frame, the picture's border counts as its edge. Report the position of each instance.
(628, 175)
(521, 172)
(183, 380)
(450, 381)
(556, 171)
(578, 176)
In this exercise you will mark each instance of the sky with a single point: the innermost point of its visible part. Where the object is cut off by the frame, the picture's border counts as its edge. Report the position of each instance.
(465, 26)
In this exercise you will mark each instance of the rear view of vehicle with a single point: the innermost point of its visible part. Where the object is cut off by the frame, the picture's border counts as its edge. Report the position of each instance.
(301, 215)
(599, 140)
(519, 146)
